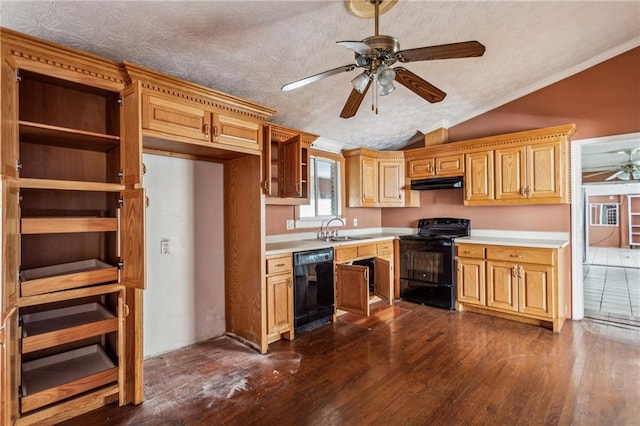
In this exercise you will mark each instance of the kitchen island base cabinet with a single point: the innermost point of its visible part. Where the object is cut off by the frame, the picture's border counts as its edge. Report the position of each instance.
(520, 283)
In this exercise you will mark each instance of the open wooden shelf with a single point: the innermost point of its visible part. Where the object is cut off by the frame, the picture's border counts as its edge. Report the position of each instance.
(66, 276)
(54, 327)
(45, 134)
(63, 225)
(53, 378)
(69, 185)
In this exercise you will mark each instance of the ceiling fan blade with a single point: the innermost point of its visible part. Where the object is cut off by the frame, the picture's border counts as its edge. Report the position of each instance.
(307, 80)
(353, 102)
(419, 86)
(618, 175)
(359, 47)
(596, 174)
(465, 49)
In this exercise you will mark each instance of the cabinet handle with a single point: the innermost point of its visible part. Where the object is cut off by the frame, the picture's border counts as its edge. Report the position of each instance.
(279, 265)
(289, 282)
(458, 266)
(265, 185)
(215, 132)
(206, 129)
(125, 310)
(467, 251)
(514, 271)
(519, 256)
(299, 188)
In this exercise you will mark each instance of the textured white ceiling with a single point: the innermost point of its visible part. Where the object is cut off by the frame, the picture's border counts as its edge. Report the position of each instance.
(251, 48)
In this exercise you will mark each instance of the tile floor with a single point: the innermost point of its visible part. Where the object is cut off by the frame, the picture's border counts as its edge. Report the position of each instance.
(612, 285)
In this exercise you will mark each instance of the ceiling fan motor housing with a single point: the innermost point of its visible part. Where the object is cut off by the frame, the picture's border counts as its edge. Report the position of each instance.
(386, 45)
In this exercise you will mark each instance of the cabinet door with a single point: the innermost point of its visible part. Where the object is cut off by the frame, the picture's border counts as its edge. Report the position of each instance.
(352, 289)
(279, 303)
(9, 114)
(450, 165)
(478, 176)
(171, 118)
(9, 369)
(237, 134)
(290, 154)
(10, 245)
(423, 167)
(382, 276)
(266, 159)
(130, 135)
(510, 173)
(132, 238)
(369, 181)
(502, 285)
(390, 182)
(544, 173)
(535, 290)
(470, 281)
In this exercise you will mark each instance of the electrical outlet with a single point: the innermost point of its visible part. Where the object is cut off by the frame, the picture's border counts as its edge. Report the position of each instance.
(164, 246)
(291, 224)
(355, 221)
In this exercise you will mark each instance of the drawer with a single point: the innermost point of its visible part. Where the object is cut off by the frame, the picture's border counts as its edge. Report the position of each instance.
(385, 247)
(470, 250)
(539, 256)
(346, 253)
(279, 264)
(367, 250)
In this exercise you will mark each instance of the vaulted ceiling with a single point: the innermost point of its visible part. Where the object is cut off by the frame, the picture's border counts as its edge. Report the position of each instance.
(251, 48)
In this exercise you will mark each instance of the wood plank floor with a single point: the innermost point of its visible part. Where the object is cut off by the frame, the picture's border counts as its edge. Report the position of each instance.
(407, 364)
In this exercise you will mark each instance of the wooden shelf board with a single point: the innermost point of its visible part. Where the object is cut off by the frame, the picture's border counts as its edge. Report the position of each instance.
(50, 379)
(69, 185)
(45, 134)
(70, 294)
(55, 327)
(66, 276)
(61, 225)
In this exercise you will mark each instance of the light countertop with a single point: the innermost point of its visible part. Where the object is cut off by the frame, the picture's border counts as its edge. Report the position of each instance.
(314, 244)
(517, 238)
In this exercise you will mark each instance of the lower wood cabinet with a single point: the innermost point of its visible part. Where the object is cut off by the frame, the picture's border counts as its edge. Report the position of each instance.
(361, 272)
(520, 283)
(279, 291)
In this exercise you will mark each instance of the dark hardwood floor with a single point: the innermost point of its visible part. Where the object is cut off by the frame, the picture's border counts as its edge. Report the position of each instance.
(406, 364)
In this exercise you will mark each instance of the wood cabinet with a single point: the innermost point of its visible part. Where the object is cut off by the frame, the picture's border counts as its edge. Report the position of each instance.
(530, 167)
(361, 272)
(520, 283)
(279, 283)
(375, 178)
(286, 165)
(436, 166)
(73, 236)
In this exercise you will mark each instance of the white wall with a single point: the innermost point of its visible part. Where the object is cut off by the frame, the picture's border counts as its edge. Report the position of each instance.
(184, 299)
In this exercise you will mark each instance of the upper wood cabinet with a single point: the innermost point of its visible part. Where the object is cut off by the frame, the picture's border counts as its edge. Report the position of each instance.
(181, 117)
(437, 166)
(375, 178)
(286, 164)
(530, 167)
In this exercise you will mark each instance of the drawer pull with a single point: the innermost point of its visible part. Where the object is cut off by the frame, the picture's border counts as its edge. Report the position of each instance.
(468, 251)
(280, 265)
(516, 255)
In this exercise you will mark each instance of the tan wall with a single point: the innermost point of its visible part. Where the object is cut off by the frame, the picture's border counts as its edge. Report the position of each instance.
(448, 203)
(602, 100)
(276, 218)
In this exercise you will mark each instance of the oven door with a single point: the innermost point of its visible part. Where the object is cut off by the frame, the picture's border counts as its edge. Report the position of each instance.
(427, 262)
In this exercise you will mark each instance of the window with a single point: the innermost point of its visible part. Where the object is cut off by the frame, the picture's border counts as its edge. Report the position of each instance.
(604, 214)
(324, 189)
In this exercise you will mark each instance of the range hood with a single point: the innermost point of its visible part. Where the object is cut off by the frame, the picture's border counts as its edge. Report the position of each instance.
(436, 183)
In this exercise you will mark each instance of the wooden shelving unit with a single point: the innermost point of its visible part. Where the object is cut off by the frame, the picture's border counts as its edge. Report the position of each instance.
(633, 203)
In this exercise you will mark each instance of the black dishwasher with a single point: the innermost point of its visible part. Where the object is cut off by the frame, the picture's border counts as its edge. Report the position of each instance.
(313, 294)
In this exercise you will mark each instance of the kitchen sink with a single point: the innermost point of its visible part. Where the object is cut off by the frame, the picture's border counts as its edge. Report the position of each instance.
(346, 238)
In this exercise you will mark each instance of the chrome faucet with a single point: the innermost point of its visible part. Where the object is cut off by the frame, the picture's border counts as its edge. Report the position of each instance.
(324, 233)
(334, 232)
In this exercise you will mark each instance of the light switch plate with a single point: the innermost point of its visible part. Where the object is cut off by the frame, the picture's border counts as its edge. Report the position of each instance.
(164, 246)
(291, 224)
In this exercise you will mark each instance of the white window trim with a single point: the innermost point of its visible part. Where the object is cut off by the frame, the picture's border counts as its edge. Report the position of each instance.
(598, 207)
(316, 222)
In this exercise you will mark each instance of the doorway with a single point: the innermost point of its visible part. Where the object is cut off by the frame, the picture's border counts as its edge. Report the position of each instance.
(605, 258)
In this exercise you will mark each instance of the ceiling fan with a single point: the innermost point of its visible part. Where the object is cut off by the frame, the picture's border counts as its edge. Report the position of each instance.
(626, 171)
(376, 54)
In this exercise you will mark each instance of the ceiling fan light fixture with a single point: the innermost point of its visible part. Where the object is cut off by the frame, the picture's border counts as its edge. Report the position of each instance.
(386, 75)
(361, 81)
(385, 89)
